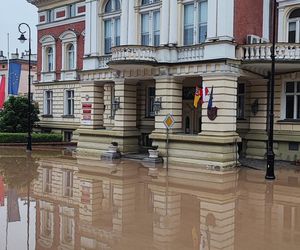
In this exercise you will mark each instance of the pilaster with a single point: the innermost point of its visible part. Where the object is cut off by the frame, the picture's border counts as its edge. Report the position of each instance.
(92, 105)
(108, 116)
(125, 116)
(165, 17)
(169, 91)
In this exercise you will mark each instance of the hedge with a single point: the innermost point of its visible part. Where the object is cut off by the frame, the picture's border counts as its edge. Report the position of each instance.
(22, 137)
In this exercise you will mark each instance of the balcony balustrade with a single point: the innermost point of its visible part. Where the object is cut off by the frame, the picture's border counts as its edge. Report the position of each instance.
(283, 51)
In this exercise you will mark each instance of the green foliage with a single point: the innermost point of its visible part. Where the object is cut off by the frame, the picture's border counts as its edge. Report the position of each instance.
(13, 117)
(22, 137)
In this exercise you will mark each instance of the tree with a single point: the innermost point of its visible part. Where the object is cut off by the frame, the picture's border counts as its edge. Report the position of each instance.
(13, 117)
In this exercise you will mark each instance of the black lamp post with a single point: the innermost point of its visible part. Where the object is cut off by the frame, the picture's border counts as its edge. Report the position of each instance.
(270, 153)
(22, 39)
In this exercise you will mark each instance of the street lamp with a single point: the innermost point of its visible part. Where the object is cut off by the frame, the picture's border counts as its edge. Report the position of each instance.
(270, 153)
(22, 39)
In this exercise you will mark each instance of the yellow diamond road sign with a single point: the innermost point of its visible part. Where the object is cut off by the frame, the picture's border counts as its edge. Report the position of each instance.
(169, 121)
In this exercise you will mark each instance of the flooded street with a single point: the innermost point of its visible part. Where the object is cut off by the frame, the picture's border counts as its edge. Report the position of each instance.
(91, 204)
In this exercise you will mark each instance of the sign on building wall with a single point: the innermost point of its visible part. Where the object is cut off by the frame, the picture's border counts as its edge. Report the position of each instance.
(87, 113)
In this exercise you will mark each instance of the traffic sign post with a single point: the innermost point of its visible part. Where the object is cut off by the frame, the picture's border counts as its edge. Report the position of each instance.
(168, 122)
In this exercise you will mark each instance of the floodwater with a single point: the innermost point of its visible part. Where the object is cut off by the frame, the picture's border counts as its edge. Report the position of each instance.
(51, 201)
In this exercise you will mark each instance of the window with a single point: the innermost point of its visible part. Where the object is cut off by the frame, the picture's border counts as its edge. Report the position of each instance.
(49, 54)
(70, 57)
(68, 136)
(48, 108)
(292, 100)
(67, 230)
(112, 25)
(68, 183)
(150, 24)
(150, 102)
(294, 26)
(69, 50)
(241, 101)
(72, 10)
(47, 223)
(47, 180)
(195, 22)
(145, 2)
(69, 102)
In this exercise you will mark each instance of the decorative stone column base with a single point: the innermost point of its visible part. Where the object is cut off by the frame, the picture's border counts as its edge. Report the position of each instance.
(94, 143)
(192, 153)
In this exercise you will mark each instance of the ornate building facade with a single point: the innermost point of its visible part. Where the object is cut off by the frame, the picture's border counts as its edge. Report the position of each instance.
(110, 71)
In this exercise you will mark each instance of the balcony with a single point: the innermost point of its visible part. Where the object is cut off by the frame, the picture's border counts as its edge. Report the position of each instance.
(257, 52)
(131, 54)
(257, 57)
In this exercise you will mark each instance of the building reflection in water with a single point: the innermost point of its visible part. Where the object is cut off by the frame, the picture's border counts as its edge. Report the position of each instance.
(88, 204)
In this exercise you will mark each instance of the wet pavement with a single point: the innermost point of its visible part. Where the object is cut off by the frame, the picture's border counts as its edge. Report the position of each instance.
(52, 201)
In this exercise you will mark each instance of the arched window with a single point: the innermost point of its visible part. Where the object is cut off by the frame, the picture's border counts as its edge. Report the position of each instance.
(49, 53)
(70, 56)
(195, 18)
(294, 26)
(111, 18)
(150, 22)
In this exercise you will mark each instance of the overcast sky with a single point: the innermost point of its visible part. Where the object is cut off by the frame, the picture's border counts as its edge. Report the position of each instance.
(14, 12)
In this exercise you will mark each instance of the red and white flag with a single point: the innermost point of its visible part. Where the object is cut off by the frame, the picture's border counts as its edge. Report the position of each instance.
(204, 93)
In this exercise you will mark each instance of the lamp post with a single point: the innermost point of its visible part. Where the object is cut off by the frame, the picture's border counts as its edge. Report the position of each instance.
(22, 39)
(270, 153)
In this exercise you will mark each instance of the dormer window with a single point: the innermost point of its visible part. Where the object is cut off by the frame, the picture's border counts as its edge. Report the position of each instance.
(294, 26)
(112, 25)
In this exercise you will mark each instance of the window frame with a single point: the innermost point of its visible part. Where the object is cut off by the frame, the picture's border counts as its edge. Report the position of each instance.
(243, 96)
(69, 106)
(113, 16)
(68, 182)
(48, 112)
(150, 98)
(68, 38)
(297, 31)
(295, 94)
(197, 24)
(151, 9)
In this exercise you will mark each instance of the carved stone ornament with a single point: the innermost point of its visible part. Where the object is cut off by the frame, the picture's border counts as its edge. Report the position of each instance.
(212, 113)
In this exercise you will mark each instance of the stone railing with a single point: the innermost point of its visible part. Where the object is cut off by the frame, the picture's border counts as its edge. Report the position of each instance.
(103, 60)
(134, 53)
(190, 53)
(283, 51)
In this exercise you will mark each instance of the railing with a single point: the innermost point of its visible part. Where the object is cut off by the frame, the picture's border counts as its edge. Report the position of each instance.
(283, 51)
(190, 53)
(134, 53)
(103, 60)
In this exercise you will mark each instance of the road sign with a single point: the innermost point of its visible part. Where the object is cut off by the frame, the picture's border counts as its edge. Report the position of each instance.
(169, 121)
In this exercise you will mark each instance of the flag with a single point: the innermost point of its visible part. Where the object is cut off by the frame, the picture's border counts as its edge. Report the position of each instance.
(2, 191)
(2, 91)
(209, 105)
(197, 96)
(14, 78)
(13, 213)
(204, 93)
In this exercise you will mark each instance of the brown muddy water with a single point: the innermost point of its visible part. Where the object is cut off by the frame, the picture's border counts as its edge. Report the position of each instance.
(52, 201)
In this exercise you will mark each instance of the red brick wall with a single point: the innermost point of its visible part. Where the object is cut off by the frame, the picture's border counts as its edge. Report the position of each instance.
(56, 32)
(60, 14)
(248, 19)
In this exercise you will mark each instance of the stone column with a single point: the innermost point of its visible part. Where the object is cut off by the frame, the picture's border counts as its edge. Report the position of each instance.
(170, 92)
(92, 31)
(225, 99)
(108, 119)
(173, 23)
(166, 218)
(92, 105)
(124, 22)
(217, 224)
(257, 136)
(165, 17)
(125, 116)
(131, 23)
